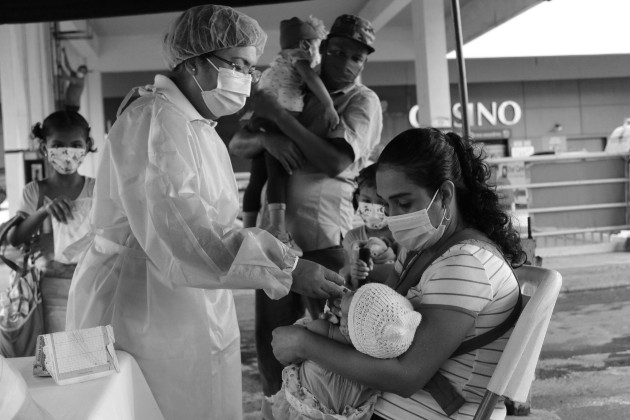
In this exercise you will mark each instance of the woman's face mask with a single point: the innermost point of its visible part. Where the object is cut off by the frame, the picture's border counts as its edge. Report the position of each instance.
(373, 215)
(66, 160)
(414, 230)
(233, 89)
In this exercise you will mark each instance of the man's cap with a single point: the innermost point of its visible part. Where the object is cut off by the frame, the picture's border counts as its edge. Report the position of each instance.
(355, 28)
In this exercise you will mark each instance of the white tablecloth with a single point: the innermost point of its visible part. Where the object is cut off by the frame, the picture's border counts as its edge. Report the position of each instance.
(119, 396)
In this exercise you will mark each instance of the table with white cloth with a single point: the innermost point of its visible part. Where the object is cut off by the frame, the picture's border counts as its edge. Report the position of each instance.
(121, 396)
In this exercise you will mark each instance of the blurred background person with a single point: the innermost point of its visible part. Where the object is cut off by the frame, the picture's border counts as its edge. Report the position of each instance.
(73, 82)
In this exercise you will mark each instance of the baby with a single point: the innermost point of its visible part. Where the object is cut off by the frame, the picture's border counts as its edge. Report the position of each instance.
(289, 74)
(377, 321)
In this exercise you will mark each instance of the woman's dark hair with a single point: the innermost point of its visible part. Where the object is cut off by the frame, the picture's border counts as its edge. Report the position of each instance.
(429, 157)
(63, 121)
(366, 178)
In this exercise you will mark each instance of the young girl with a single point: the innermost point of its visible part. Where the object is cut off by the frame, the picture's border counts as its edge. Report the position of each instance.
(378, 322)
(287, 77)
(371, 208)
(55, 210)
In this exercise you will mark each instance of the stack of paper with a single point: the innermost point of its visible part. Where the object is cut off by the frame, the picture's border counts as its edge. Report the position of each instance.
(76, 356)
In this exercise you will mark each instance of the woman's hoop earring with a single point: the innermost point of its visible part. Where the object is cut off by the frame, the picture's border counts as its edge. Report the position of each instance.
(446, 218)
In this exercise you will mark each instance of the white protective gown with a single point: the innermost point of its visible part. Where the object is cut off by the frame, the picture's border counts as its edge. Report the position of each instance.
(164, 254)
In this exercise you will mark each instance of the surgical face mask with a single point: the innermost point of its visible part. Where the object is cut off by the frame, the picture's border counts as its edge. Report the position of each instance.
(373, 215)
(66, 160)
(233, 89)
(339, 66)
(414, 230)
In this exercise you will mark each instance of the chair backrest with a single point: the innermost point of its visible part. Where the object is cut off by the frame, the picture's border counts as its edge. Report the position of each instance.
(515, 371)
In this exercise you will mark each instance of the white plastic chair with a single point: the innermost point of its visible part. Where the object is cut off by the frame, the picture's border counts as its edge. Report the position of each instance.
(514, 373)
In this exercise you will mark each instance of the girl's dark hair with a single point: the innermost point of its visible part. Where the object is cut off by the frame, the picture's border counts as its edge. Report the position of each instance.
(429, 157)
(60, 121)
(366, 178)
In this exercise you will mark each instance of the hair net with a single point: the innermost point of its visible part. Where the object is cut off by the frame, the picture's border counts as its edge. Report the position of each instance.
(207, 28)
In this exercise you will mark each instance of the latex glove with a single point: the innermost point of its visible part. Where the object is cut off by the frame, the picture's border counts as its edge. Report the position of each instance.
(313, 280)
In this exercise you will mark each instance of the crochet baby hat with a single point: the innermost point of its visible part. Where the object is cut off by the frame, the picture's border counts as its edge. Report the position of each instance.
(381, 322)
(293, 30)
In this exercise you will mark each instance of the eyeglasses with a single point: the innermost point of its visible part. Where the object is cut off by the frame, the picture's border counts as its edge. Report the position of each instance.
(251, 70)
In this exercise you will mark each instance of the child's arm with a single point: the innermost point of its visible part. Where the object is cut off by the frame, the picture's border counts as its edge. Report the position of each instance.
(63, 74)
(316, 86)
(66, 62)
(60, 208)
(326, 329)
(23, 232)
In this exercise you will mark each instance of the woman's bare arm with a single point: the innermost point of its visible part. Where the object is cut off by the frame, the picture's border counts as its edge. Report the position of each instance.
(438, 336)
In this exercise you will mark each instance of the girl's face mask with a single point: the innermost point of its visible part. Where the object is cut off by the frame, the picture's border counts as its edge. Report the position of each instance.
(373, 215)
(66, 160)
(414, 230)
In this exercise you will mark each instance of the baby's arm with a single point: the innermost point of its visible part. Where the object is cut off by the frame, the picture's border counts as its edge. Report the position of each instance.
(327, 329)
(316, 86)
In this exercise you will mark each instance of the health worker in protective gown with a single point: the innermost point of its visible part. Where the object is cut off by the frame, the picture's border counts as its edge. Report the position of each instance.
(163, 251)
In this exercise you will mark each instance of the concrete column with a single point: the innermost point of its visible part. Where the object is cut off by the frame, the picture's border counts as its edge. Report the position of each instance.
(431, 67)
(27, 96)
(92, 110)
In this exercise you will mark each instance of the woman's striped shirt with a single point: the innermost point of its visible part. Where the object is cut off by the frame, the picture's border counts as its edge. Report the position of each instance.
(471, 279)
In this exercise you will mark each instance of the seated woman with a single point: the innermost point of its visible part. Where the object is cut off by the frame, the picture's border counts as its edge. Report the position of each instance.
(458, 274)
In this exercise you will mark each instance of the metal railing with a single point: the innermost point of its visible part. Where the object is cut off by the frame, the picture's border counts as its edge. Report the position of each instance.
(582, 206)
(551, 223)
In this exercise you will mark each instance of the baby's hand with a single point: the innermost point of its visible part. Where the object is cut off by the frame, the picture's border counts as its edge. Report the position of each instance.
(359, 271)
(331, 118)
(330, 317)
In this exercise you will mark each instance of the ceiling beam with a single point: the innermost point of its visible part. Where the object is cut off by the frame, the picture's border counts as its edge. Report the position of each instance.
(27, 11)
(480, 16)
(380, 12)
(80, 34)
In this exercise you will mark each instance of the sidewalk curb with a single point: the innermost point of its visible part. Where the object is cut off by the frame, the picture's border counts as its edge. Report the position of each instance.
(591, 271)
(535, 415)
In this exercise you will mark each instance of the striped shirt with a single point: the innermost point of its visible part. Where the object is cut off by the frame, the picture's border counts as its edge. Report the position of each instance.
(473, 280)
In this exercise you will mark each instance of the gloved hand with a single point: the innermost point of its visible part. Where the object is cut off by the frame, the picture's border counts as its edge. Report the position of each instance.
(313, 280)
